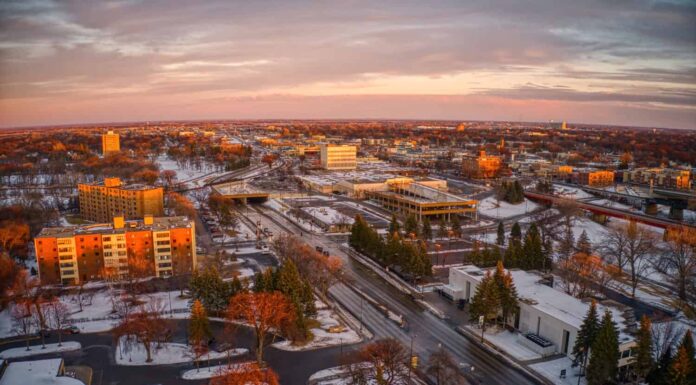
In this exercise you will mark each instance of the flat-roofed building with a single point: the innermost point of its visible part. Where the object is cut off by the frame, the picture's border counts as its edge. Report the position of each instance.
(101, 201)
(481, 167)
(544, 312)
(338, 157)
(595, 178)
(152, 246)
(110, 143)
(421, 200)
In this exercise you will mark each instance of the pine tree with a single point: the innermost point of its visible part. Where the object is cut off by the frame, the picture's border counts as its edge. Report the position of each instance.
(442, 229)
(566, 245)
(394, 226)
(456, 226)
(586, 334)
(644, 351)
(604, 359)
(532, 253)
(507, 293)
(411, 225)
(486, 301)
(500, 240)
(584, 245)
(659, 375)
(199, 326)
(512, 254)
(688, 345)
(426, 229)
(681, 368)
(516, 231)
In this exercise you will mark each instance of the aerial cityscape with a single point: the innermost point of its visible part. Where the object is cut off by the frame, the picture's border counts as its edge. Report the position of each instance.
(335, 193)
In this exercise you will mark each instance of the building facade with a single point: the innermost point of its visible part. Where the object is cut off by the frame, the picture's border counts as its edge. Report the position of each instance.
(338, 157)
(595, 178)
(101, 201)
(110, 143)
(481, 167)
(159, 247)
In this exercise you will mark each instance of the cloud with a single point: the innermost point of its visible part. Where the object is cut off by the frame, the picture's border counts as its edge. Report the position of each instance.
(638, 52)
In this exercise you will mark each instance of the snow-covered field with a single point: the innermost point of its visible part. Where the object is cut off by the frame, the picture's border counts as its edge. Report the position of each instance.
(184, 174)
(166, 353)
(508, 342)
(34, 350)
(493, 208)
(328, 215)
(322, 336)
(571, 192)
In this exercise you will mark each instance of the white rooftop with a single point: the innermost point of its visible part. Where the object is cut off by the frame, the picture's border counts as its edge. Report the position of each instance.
(38, 372)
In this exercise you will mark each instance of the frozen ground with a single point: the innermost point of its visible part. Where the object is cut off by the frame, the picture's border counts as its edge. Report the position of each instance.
(508, 342)
(37, 349)
(36, 372)
(552, 370)
(184, 174)
(571, 192)
(167, 353)
(328, 215)
(322, 336)
(493, 208)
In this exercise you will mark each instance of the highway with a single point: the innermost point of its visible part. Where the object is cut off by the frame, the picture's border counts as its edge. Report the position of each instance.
(425, 330)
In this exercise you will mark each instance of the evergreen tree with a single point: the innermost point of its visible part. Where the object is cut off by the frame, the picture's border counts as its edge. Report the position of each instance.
(519, 192)
(411, 225)
(500, 240)
(486, 301)
(516, 231)
(584, 245)
(512, 254)
(442, 229)
(199, 327)
(688, 345)
(507, 293)
(532, 253)
(426, 229)
(644, 351)
(586, 334)
(566, 245)
(209, 288)
(604, 359)
(394, 226)
(659, 375)
(681, 368)
(456, 226)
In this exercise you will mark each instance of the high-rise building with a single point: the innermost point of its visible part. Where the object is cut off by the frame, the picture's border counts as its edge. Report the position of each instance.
(159, 247)
(110, 143)
(101, 201)
(564, 126)
(338, 157)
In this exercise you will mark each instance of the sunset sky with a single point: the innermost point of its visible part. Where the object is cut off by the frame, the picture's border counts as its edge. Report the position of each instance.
(605, 61)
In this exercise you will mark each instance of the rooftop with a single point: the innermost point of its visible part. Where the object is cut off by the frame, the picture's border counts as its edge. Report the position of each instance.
(158, 224)
(37, 372)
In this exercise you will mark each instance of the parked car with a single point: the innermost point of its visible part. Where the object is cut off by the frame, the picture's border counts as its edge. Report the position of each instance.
(72, 329)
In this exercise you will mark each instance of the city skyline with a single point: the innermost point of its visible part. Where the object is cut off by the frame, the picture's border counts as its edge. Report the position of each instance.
(621, 63)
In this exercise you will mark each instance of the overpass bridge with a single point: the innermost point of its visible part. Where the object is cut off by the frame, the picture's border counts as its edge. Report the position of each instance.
(608, 211)
(647, 199)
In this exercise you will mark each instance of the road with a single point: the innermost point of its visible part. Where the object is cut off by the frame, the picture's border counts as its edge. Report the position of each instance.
(426, 332)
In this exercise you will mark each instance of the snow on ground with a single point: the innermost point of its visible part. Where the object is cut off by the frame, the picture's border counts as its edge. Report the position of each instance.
(211, 371)
(552, 371)
(184, 174)
(328, 215)
(37, 349)
(509, 342)
(571, 192)
(612, 204)
(594, 230)
(322, 337)
(491, 207)
(167, 353)
(37, 372)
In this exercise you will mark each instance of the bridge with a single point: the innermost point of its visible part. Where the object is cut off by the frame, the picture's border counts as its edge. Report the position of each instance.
(651, 220)
(647, 199)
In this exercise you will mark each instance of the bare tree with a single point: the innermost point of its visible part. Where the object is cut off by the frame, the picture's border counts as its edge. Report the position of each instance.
(59, 317)
(444, 369)
(678, 262)
(613, 246)
(639, 245)
(22, 320)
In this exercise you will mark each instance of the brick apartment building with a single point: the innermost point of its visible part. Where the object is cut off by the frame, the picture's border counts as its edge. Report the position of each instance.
(482, 166)
(111, 143)
(594, 178)
(158, 247)
(101, 201)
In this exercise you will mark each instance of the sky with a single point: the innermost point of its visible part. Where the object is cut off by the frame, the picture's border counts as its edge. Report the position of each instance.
(618, 62)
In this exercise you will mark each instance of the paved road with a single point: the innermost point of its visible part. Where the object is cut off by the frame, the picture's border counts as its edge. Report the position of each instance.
(425, 330)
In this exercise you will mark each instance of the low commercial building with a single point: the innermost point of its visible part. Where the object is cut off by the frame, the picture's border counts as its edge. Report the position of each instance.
(359, 187)
(544, 312)
(110, 143)
(663, 177)
(594, 178)
(152, 246)
(101, 201)
(338, 157)
(36, 372)
(481, 167)
(410, 197)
